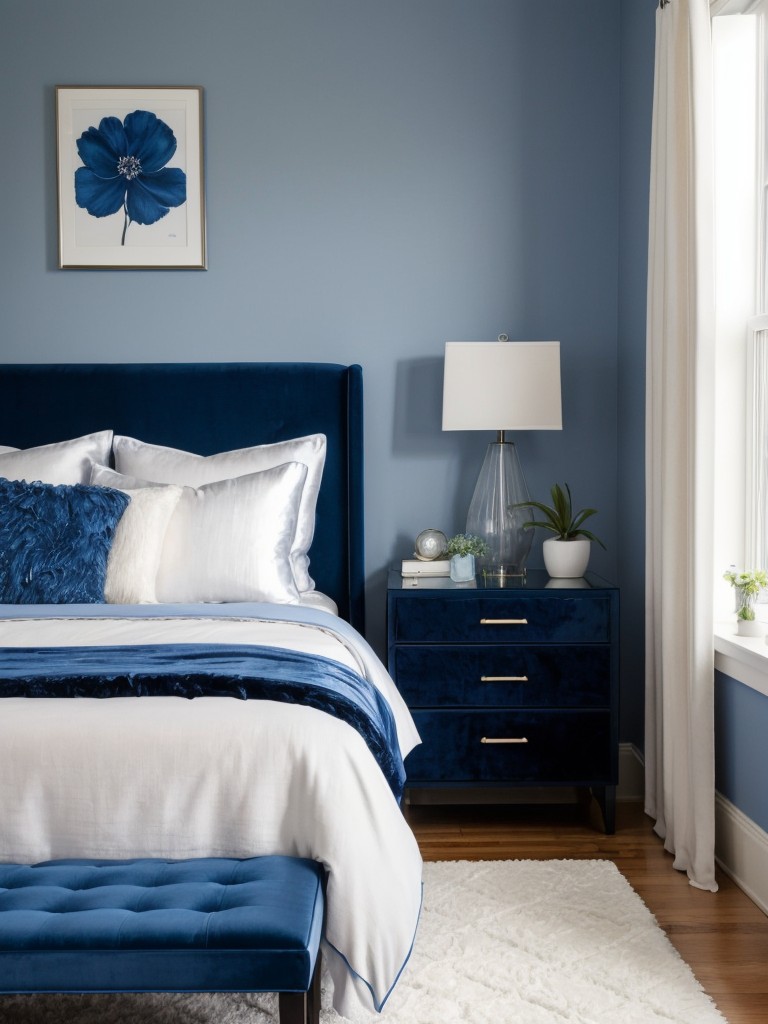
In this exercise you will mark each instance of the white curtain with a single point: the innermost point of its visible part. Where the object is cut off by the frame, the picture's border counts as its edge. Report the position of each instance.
(679, 741)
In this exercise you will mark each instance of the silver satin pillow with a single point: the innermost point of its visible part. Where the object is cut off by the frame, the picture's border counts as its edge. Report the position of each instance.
(230, 540)
(173, 466)
(63, 462)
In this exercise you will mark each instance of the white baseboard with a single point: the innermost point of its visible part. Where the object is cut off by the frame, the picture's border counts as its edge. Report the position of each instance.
(741, 850)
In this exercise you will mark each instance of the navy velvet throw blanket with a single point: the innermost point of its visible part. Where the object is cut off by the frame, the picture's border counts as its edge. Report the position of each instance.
(202, 670)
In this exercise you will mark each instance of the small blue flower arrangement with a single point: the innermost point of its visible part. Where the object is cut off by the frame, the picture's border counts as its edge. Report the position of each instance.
(125, 167)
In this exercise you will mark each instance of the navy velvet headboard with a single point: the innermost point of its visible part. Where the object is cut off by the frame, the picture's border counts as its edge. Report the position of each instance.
(215, 407)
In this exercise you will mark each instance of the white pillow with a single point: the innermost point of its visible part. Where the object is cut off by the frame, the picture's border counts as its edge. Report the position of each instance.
(172, 466)
(134, 558)
(63, 462)
(230, 540)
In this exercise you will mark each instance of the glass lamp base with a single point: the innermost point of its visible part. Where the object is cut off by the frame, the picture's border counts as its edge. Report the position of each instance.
(501, 573)
(500, 485)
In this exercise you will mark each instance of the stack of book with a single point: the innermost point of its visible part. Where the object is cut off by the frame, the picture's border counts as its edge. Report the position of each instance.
(415, 568)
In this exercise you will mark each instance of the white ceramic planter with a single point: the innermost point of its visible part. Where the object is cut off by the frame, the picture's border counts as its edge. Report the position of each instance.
(566, 559)
(566, 583)
(750, 627)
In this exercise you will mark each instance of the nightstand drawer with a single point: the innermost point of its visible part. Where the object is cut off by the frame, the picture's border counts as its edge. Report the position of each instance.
(585, 618)
(557, 747)
(513, 675)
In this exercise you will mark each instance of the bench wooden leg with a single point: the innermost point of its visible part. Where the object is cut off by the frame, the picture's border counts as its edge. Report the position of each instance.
(313, 996)
(293, 1008)
(302, 1007)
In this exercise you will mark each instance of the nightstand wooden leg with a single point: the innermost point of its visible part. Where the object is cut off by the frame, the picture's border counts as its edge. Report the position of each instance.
(606, 797)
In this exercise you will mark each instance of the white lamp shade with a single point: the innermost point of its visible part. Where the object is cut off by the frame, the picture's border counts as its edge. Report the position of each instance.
(502, 385)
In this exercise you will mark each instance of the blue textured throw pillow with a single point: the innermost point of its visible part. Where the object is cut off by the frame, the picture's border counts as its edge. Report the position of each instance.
(55, 540)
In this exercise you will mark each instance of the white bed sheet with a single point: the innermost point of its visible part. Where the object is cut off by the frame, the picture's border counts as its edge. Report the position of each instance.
(213, 776)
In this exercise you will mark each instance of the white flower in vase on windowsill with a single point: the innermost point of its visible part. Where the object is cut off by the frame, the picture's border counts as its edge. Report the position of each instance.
(748, 586)
(463, 548)
(566, 555)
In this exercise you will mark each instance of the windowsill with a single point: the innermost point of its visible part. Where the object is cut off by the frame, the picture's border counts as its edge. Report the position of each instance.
(744, 658)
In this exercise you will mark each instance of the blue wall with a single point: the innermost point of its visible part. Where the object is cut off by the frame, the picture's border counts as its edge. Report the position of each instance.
(380, 178)
(741, 727)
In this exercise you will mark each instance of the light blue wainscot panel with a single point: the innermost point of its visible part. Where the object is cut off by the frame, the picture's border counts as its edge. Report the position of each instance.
(741, 747)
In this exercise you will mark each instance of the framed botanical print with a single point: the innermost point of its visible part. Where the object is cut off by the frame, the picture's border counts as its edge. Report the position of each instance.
(130, 177)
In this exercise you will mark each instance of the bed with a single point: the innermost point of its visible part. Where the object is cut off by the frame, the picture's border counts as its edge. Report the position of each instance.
(266, 723)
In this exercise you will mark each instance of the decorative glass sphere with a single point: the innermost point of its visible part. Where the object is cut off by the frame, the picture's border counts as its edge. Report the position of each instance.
(431, 544)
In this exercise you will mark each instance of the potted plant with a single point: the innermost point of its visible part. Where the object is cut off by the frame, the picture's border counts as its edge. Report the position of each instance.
(566, 555)
(463, 548)
(748, 586)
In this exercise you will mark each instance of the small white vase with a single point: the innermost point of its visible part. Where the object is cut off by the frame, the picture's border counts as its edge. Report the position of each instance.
(750, 627)
(462, 568)
(566, 559)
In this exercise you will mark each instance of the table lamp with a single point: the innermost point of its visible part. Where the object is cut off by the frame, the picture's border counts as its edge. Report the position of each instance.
(501, 385)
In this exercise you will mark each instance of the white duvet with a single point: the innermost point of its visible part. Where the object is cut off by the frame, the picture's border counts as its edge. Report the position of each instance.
(216, 776)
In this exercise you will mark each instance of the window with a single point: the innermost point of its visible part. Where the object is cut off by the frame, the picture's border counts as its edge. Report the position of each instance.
(756, 497)
(756, 446)
(741, 233)
(740, 47)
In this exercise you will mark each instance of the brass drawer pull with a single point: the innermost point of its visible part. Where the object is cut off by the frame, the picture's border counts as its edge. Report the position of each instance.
(504, 739)
(503, 679)
(503, 622)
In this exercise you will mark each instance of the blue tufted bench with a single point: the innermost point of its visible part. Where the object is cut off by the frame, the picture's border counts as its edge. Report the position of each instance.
(202, 925)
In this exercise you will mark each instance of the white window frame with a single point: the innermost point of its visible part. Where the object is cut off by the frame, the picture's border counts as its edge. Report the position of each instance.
(756, 447)
(736, 61)
(742, 338)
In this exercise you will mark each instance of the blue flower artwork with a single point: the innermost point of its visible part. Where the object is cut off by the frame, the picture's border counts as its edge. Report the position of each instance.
(125, 168)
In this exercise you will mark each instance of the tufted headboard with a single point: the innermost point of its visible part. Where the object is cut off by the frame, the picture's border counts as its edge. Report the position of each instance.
(215, 407)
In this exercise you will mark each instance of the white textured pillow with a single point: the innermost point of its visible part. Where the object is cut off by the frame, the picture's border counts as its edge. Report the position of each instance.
(63, 462)
(230, 540)
(134, 558)
(172, 466)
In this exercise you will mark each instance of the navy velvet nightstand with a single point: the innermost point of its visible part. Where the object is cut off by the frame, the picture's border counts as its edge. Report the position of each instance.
(509, 686)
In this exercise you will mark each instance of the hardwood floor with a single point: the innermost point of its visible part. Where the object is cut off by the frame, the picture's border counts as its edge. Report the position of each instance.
(723, 936)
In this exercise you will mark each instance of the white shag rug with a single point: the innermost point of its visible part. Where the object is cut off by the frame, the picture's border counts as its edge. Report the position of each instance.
(499, 942)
